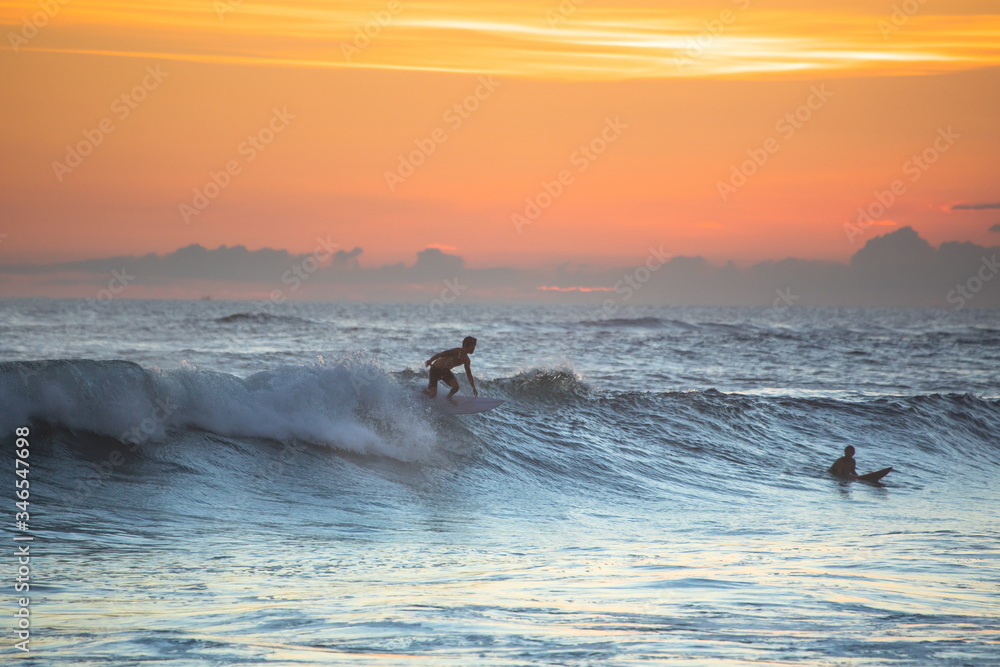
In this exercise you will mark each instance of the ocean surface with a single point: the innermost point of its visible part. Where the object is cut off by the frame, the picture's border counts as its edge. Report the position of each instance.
(242, 483)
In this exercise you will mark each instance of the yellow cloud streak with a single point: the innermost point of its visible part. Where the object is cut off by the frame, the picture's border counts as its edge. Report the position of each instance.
(516, 39)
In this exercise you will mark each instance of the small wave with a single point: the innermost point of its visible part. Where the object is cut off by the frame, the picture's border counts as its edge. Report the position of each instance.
(618, 322)
(261, 318)
(543, 384)
(409, 373)
(667, 323)
(726, 328)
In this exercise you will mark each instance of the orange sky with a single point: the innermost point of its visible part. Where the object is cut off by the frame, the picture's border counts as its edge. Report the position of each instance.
(310, 118)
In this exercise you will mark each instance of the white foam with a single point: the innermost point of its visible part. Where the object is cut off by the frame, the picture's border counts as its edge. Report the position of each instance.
(351, 404)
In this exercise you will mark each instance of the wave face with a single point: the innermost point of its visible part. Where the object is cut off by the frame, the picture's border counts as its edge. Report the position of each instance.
(631, 442)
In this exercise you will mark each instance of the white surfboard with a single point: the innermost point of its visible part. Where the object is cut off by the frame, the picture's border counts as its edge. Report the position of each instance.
(466, 405)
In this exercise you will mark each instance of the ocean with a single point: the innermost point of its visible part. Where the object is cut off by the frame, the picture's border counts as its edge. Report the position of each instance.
(244, 483)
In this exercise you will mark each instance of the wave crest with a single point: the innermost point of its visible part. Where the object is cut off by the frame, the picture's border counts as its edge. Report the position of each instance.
(543, 384)
(261, 318)
(350, 404)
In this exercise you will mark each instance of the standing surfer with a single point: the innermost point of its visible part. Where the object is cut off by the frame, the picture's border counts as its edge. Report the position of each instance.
(442, 363)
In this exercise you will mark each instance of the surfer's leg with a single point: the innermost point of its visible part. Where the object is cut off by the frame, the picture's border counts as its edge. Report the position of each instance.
(454, 389)
(432, 383)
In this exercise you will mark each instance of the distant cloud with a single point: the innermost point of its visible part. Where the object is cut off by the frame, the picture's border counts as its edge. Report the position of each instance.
(995, 228)
(436, 265)
(903, 246)
(344, 259)
(975, 207)
(896, 269)
(191, 262)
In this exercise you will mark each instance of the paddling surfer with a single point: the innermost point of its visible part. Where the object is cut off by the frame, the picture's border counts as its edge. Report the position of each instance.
(442, 363)
(845, 466)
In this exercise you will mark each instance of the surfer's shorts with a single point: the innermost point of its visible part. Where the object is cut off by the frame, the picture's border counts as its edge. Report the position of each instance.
(439, 374)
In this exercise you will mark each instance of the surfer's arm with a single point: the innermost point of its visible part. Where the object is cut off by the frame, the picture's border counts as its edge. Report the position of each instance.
(844, 468)
(435, 357)
(468, 374)
(447, 353)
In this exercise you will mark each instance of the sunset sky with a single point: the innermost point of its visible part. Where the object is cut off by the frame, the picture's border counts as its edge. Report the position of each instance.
(627, 124)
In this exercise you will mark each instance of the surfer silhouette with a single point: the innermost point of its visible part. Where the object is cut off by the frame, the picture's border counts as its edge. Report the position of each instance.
(845, 466)
(442, 363)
